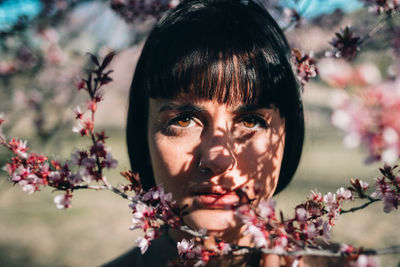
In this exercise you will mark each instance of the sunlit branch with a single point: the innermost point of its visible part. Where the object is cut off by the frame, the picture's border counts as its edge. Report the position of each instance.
(240, 250)
(371, 200)
(379, 25)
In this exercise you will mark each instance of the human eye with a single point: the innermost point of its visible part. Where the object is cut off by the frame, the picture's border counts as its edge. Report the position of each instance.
(253, 121)
(182, 121)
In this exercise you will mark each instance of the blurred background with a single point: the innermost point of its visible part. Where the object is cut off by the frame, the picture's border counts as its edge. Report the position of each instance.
(43, 46)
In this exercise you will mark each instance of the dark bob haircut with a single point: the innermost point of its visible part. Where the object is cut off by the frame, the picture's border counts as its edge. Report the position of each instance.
(224, 50)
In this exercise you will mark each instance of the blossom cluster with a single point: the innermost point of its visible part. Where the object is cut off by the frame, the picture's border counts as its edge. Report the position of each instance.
(140, 10)
(305, 66)
(313, 218)
(152, 210)
(387, 188)
(195, 254)
(42, 47)
(292, 17)
(32, 171)
(382, 6)
(372, 121)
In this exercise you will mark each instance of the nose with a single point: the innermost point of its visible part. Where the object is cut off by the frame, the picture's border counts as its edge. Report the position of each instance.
(216, 154)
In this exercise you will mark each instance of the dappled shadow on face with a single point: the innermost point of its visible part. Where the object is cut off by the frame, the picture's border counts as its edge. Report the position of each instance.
(247, 162)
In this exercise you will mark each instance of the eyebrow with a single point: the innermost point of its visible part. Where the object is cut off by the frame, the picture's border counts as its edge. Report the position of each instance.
(247, 108)
(187, 108)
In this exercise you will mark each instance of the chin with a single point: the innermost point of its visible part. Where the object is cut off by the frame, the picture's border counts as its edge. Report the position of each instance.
(216, 221)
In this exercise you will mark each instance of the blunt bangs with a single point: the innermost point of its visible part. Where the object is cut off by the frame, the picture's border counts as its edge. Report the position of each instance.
(229, 51)
(227, 57)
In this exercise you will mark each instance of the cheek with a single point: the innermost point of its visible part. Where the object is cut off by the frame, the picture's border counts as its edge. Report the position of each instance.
(262, 171)
(170, 159)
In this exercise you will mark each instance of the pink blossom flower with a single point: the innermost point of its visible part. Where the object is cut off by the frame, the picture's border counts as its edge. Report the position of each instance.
(391, 201)
(109, 162)
(226, 249)
(344, 194)
(382, 6)
(305, 65)
(79, 129)
(19, 147)
(312, 231)
(326, 231)
(84, 127)
(141, 213)
(55, 176)
(292, 16)
(89, 163)
(365, 261)
(301, 214)
(142, 243)
(185, 247)
(63, 201)
(27, 187)
(76, 178)
(257, 235)
(316, 196)
(330, 199)
(364, 185)
(267, 208)
(280, 243)
(372, 120)
(78, 113)
(345, 248)
(98, 149)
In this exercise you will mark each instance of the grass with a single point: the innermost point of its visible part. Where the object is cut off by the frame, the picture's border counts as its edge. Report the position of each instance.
(95, 229)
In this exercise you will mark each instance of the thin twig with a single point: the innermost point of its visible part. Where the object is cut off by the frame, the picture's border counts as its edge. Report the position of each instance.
(240, 250)
(379, 25)
(194, 233)
(115, 190)
(371, 200)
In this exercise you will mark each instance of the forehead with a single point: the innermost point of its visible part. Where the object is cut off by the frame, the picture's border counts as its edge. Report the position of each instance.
(186, 102)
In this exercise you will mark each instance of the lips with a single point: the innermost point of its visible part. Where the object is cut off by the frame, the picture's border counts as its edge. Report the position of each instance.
(215, 198)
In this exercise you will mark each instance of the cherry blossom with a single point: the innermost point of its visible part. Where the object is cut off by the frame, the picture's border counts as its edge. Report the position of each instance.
(371, 120)
(19, 147)
(346, 44)
(142, 243)
(365, 261)
(63, 201)
(109, 162)
(382, 6)
(305, 66)
(140, 10)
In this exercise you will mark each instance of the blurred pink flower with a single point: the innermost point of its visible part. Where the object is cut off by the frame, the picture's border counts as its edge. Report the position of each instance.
(341, 74)
(365, 261)
(372, 121)
(382, 6)
(305, 65)
(63, 201)
(267, 208)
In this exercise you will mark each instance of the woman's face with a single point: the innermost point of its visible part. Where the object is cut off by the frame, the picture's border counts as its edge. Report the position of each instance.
(203, 152)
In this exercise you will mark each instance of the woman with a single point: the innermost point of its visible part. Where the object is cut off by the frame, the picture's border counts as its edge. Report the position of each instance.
(214, 108)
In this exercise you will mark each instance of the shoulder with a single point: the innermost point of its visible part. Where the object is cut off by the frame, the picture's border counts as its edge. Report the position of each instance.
(130, 258)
